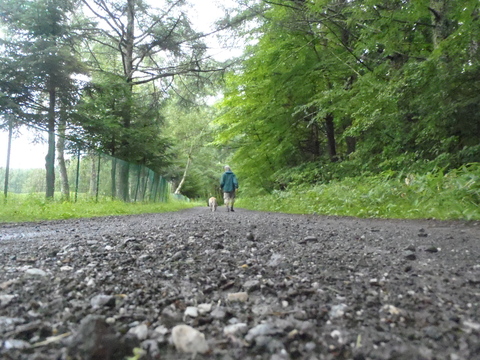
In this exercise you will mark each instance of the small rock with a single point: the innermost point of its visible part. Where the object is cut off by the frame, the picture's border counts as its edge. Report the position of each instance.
(8, 321)
(410, 247)
(218, 313)
(431, 249)
(102, 300)
(6, 299)
(469, 325)
(260, 330)
(96, 340)
(410, 256)
(127, 240)
(235, 328)
(189, 340)
(35, 273)
(240, 297)
(275, 260)
(162, 330)
(204, 308)
(191, 311)
(16, 344)
(337, 311)
(251, 285)
(140, 331)
(250, 236)
(433, 332)
(170, 316)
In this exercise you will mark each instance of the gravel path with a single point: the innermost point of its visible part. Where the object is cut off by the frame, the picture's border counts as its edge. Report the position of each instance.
(242, 285)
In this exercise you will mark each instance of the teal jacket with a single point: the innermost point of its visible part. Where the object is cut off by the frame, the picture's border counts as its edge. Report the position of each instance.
(229, 182)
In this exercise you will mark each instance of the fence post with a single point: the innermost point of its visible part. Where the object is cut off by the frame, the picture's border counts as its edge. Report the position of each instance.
(138, 183)
(114, 174)
(78, 175)
(98, 176)
(9, 149)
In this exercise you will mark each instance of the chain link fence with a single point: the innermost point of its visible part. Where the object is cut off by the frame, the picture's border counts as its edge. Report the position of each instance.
(88, 175)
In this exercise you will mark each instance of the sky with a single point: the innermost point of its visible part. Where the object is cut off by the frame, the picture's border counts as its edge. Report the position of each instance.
(26, 154)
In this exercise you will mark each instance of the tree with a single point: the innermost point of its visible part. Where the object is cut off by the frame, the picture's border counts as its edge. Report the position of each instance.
(380, 85)
(196, 158)
(278, 106)
(38, 62)
(154, 46)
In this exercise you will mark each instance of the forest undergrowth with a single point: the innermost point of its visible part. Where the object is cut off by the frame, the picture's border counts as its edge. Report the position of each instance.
(434, 195)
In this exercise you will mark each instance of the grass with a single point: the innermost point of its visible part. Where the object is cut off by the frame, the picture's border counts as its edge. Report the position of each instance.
(34, 207)
(435, 195)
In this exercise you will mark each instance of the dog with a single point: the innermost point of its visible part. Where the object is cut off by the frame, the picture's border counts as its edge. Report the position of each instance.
(212, 203)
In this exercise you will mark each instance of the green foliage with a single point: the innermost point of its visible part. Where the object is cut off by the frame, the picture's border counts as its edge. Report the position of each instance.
(436, 195)
(397, 79)
(37, 56)
(196, 157)
(34, 207)
(100, 116)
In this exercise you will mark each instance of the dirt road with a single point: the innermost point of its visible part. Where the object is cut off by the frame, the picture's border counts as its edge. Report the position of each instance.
(249, 285)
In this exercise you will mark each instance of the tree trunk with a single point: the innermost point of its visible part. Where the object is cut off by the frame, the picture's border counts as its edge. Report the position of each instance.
(330, 130)
(127, 52)
(316, 141)
(177, 191)
(65, 187)
(50, 158)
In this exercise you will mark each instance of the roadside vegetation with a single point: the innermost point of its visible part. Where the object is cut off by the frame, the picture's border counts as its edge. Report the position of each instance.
(434, 195)
(35, 207)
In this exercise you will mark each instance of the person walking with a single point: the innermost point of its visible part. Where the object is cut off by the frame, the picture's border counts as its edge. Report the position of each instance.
(229, 185)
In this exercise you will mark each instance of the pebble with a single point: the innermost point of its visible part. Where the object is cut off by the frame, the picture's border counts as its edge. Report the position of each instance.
(410, 256)
(308, 239)
(240, 297)
(260, 330)
(204, 308)
(191, 311)
(189, 340)
(235, 328)
(6, 299)
(102, 300)
(251, 285)
(275, 260)
(432, 249)
(218, 313)
(140, 331)
(16, 344)
(35, 272)
(337, 311)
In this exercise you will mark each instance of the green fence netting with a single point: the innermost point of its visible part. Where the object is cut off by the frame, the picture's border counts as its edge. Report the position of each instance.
(92, 175)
